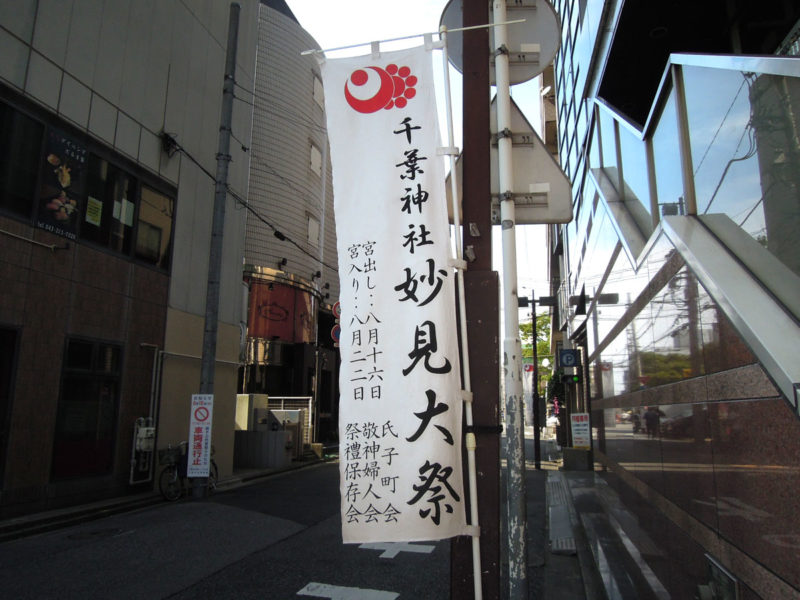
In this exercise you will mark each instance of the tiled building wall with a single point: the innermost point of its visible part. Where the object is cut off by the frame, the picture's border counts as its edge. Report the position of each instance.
(53, 295)
(725, 478)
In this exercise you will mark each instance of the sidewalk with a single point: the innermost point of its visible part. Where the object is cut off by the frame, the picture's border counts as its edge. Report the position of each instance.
(593, 546)
(560, 562)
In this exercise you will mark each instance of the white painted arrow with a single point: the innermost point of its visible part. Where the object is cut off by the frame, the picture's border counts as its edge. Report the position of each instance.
(336, 592)
(392, 549)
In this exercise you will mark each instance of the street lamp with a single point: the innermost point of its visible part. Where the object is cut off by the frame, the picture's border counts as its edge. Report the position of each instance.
(537, 418)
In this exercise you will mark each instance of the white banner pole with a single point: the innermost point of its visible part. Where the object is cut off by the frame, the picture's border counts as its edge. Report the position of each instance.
(512, 347)
(460, 267)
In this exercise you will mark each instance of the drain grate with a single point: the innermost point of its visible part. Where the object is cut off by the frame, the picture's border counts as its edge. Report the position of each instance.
(565, 545)
(556, 493)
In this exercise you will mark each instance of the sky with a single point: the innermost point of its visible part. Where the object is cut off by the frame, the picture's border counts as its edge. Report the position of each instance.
(336, 23)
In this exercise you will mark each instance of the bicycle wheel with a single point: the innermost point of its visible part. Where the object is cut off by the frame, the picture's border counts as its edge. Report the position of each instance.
(213, 477)
(170, 484)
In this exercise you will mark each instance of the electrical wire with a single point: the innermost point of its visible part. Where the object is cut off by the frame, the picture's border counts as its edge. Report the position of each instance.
(280, 235)
(716, 133)
(235, 97)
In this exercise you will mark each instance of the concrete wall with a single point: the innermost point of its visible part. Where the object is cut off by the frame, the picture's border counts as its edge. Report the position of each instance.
(182, 371)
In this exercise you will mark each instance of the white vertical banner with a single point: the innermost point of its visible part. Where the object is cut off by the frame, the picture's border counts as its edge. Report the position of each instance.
(199, 459)
(400, 402)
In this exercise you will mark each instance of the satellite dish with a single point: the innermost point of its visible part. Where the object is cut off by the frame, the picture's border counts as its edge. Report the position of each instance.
(532, 45)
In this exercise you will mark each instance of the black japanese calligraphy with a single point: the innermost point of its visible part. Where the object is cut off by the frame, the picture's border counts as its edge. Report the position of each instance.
(407, 128)
(415, 239)
(425, 346)
(427, 416)
(433, 279)
(434, 477)
(367, 472)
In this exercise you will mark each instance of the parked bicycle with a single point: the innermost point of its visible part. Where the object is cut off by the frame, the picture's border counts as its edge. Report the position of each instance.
(173, 482)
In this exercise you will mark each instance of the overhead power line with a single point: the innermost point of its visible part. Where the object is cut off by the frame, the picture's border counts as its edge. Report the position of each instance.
(170, 144)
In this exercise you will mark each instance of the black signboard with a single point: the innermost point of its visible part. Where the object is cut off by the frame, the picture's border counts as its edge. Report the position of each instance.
(62, 189)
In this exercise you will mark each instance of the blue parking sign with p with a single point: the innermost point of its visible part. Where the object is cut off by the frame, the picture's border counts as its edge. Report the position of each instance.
(568, 358)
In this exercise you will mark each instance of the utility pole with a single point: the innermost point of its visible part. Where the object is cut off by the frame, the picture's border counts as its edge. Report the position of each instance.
(537, 417)
(208, 360)
(481, 298)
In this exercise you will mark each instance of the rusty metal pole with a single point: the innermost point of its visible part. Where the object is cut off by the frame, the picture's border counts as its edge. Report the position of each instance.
(481, 296)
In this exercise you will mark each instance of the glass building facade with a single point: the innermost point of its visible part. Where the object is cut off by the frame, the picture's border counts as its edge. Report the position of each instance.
(682, 143)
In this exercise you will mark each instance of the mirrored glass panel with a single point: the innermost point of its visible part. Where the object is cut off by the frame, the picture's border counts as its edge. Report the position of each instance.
(669, 182)
(609, 145)
(745, 141)
(634, 168)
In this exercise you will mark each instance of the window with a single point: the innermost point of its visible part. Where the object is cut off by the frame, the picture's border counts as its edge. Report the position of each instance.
(319, 96)
(313, 231)
(19, 160)
(53, 180)
(154, 228)
(110, 206)
(87, 410)
(316, 160)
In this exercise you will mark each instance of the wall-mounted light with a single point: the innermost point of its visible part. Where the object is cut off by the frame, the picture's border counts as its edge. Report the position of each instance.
(281, 263)
(327, 286)
(270, 287)
(315, 275)
(327, 296)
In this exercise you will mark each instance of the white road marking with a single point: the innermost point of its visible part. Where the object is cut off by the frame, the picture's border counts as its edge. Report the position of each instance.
(392, 549)
(336, 592)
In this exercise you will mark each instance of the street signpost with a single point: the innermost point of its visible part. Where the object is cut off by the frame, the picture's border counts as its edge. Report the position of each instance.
(199, 450)
(581, 432)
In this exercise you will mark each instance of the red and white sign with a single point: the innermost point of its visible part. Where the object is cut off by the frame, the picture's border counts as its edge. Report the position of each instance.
(400, 400)
(581, 432)
(199, 449)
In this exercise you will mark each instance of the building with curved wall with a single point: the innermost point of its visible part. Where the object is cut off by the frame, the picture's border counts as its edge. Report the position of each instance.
(678, 280)
(290, 245)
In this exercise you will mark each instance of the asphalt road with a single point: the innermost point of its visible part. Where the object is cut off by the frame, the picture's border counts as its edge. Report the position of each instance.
(279, 538)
